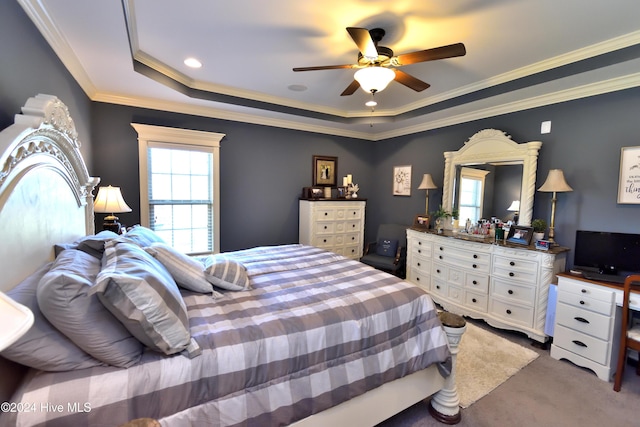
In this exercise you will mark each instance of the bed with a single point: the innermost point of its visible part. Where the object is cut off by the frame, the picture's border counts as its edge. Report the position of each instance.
(290, 335)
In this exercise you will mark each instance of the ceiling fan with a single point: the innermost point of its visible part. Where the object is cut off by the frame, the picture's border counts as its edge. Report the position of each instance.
(375, 62)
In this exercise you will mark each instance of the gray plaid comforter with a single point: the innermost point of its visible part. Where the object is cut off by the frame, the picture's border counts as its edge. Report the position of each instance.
(315, 330)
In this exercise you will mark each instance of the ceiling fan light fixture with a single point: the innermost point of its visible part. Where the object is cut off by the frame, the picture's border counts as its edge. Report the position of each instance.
(371, 103)
(374, 79)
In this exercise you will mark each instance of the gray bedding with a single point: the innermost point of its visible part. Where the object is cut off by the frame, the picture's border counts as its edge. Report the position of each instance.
(314, 330)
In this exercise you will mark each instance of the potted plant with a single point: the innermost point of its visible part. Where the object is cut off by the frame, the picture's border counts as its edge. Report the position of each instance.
(440, 216)
(539, 227)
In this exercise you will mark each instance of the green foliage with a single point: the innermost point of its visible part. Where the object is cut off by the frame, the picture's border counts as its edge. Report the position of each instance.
(539, 225)
(441, 213)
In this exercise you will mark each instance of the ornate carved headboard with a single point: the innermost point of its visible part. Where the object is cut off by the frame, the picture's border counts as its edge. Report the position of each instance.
(45, 189)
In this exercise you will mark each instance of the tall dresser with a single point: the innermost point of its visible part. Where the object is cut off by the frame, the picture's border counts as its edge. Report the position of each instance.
(507, 286)
(335, 225)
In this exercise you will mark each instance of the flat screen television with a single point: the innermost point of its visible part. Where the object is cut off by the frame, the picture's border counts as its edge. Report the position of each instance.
(607, 252)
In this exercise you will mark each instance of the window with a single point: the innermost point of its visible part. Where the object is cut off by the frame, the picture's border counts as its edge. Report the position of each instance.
(179, 186)
(471, 192)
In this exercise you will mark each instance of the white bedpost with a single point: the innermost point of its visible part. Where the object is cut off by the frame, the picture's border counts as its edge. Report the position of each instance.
(445, 404)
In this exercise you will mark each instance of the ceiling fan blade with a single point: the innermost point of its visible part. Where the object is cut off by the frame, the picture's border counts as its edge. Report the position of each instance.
(363, 40)
(442, 52)
(410, 81)
(325, 67)
(351, 88)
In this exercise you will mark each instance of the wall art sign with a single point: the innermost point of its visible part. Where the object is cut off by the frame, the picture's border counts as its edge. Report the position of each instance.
(629, 183)
(402, 181)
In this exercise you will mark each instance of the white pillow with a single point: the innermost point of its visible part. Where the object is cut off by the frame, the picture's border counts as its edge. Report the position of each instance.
(227, 274)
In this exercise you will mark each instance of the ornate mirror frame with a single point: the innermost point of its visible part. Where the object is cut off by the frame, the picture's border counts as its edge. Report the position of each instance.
(495, 146)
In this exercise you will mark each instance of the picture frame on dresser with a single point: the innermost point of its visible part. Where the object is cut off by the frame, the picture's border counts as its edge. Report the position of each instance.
(629, 181)
(325, 170)
(421, 221)
(520, 235)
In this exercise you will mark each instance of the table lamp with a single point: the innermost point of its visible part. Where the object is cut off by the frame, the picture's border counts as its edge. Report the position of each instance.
(109, 200)
(555, 183)
(515, 208)
(427, 184)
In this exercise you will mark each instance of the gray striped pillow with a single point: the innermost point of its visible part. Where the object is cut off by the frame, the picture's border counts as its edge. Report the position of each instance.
(186, 271)
(227, 274)
(141, 293)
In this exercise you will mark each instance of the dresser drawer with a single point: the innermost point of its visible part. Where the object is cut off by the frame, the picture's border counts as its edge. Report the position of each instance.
(584, 289)
(421, 264)
(324, 227)
(348, 239)
(585, 302)
(348, 226)
(581, 344)
(439, 287)
(513, 274)
(456, 294)
(511, 312)
(513, 291)
(421, 279)
(585, 321)
(468, 260)
(350, 251)
(477, 282)
(323, 241)
(324, 214)
(515, 264)
(476, 301)
(349, 213)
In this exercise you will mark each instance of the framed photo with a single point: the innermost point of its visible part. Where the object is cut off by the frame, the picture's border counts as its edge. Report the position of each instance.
(629, 182)
(325, 170)
(520, 235)
(421, 221)
(402, 180)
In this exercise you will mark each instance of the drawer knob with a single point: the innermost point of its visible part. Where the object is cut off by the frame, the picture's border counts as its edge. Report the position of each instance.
(475, 266)
(437, 286)
(353, 225)
(419, 243)
(353, 238)
(325, 227)
(581, 302)
(475, 282)
(419, 251)
(584, 291)
(510, 292)
(438, 271)
(474, 300)
(440, 256)
(418, 264)
(475, 256)
(511, 274)
(441, 248)
(508, 311)
(325, 214)
(579, 343)
(581, 319)
(512, 263)
(417, 279)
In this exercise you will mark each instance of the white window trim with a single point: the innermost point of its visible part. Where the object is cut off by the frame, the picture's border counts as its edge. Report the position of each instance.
(148, 134)
(476, 175)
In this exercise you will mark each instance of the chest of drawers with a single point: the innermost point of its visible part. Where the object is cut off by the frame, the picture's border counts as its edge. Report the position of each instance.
(587, 326)
(334, 225)
(506, 286)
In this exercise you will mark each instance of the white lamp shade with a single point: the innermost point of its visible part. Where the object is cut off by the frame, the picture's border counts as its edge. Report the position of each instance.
(374, 79)
(427, 182)
(109, 200)
(515, 206)
(555, 182)
(16, 319)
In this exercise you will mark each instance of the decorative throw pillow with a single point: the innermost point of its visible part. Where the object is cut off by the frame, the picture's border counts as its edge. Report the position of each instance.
(141, 293)
(186, 271)
(227, 274)
(141, 236)
(64, 299)
(387, 247)
(43, 346)
(93, 245)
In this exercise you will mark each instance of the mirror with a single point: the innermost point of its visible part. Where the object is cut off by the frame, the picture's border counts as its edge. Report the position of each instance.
(493, 151)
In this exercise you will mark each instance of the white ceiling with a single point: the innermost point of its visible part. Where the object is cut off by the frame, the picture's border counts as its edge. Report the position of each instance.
(520, 54)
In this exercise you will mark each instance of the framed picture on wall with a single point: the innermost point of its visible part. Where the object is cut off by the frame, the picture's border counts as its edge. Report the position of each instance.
(402, 181)
(325, 170)
(629, 182)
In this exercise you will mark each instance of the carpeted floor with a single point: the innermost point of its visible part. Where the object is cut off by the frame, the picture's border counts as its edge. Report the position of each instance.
(546, 392)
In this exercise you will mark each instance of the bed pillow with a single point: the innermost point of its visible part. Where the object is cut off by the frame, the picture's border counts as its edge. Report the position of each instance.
(141, 293)
(93, 245)
(64, 299)
(43, 346)
(141, 236)
(188, 272)
(227, 274)
(387, 247)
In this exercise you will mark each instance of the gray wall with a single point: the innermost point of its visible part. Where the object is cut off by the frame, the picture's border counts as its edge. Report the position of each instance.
(28, 66)
(264, 169)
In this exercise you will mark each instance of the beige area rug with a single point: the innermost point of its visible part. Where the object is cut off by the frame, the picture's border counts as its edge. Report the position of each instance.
(485, 361)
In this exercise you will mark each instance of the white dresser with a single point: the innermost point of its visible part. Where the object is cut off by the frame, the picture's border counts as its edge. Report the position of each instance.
(506, 286)
(334, 225)
(587, 326)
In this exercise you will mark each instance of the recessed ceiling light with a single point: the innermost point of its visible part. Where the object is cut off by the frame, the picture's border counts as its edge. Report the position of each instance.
(297, 88)
(192, 62)
(371, 103)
